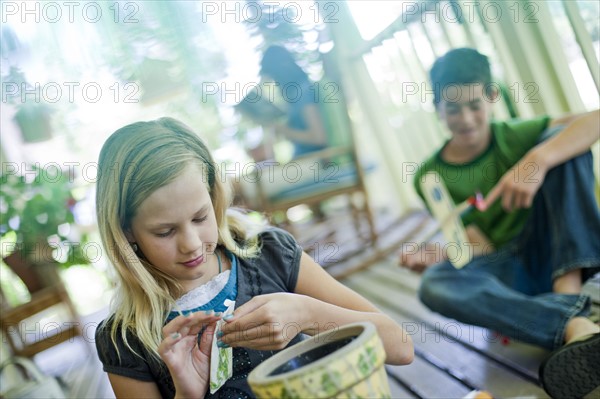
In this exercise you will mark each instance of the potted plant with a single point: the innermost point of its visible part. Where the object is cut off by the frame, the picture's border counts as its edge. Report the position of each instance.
(32, 116)
(37, 225)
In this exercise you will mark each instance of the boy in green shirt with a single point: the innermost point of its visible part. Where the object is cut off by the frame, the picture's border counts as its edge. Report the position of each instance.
(536, 236)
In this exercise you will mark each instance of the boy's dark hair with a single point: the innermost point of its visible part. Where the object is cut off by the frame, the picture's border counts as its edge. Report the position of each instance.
(459, 67)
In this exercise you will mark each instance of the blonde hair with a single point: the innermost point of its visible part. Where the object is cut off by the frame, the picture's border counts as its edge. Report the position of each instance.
(135, 161)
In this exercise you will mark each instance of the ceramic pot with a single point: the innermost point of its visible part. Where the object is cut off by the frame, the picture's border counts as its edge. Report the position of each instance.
(345, 362)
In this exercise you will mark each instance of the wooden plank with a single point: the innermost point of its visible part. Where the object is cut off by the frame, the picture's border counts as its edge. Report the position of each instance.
(473, 367)
(399, 388)
(472, 337)
(524, 356)
(389, 242)
(428, 381)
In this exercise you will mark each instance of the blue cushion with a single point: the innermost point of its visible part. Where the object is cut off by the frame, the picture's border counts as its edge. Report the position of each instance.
(344, 177)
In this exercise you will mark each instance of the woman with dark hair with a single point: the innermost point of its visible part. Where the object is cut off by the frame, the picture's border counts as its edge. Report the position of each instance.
(304, 126)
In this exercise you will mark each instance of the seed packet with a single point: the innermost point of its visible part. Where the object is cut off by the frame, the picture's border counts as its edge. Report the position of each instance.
(221, 359)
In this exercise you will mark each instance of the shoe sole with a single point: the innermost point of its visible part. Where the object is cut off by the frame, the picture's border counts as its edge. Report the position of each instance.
(572, 371)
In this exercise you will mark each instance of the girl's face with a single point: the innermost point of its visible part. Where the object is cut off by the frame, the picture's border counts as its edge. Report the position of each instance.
(176, 230)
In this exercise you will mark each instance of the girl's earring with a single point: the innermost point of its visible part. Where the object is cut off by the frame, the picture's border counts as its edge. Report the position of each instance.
(134, 246)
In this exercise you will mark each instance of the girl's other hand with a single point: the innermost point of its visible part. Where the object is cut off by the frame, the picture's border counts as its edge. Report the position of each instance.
(187, 354)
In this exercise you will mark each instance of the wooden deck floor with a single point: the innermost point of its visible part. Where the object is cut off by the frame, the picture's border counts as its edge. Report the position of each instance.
(452, 359)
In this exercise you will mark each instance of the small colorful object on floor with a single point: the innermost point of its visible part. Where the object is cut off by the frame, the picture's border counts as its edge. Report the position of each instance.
(479, 395)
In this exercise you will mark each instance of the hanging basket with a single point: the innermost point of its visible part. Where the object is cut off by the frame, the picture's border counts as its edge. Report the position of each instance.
(34, 122)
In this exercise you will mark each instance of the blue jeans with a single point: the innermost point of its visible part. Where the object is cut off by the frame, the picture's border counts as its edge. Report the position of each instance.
(510, 291)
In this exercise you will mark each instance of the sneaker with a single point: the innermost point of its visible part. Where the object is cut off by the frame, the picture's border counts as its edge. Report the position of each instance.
(572, 371)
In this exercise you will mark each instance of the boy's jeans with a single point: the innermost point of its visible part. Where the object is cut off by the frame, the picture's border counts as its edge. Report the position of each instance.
(510, 291)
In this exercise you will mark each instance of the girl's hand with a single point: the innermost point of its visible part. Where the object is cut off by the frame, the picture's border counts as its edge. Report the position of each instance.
(266, 322)
(186, 354)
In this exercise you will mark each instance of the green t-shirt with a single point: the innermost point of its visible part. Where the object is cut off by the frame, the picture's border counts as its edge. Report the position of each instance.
(510, 142)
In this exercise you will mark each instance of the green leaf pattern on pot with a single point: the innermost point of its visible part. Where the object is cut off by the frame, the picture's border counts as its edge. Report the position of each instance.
(289, 394)
(372, 354)
(363, 365)
(330, 381)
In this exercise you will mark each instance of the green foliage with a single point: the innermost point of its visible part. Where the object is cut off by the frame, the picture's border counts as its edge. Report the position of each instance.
(37, 209)
(167, 44)
(274, 25)
(270, 24)
(170, 31)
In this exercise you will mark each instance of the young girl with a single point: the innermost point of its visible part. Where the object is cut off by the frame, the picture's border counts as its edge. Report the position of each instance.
(180, 254)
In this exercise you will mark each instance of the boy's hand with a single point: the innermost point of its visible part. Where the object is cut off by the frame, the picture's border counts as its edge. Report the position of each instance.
(418, 260)
(519, 185)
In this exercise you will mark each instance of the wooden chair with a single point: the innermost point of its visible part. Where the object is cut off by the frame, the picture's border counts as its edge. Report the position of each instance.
(318, 176)
(33, 327)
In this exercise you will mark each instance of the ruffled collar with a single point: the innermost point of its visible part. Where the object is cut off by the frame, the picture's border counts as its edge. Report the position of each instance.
(203, 294)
